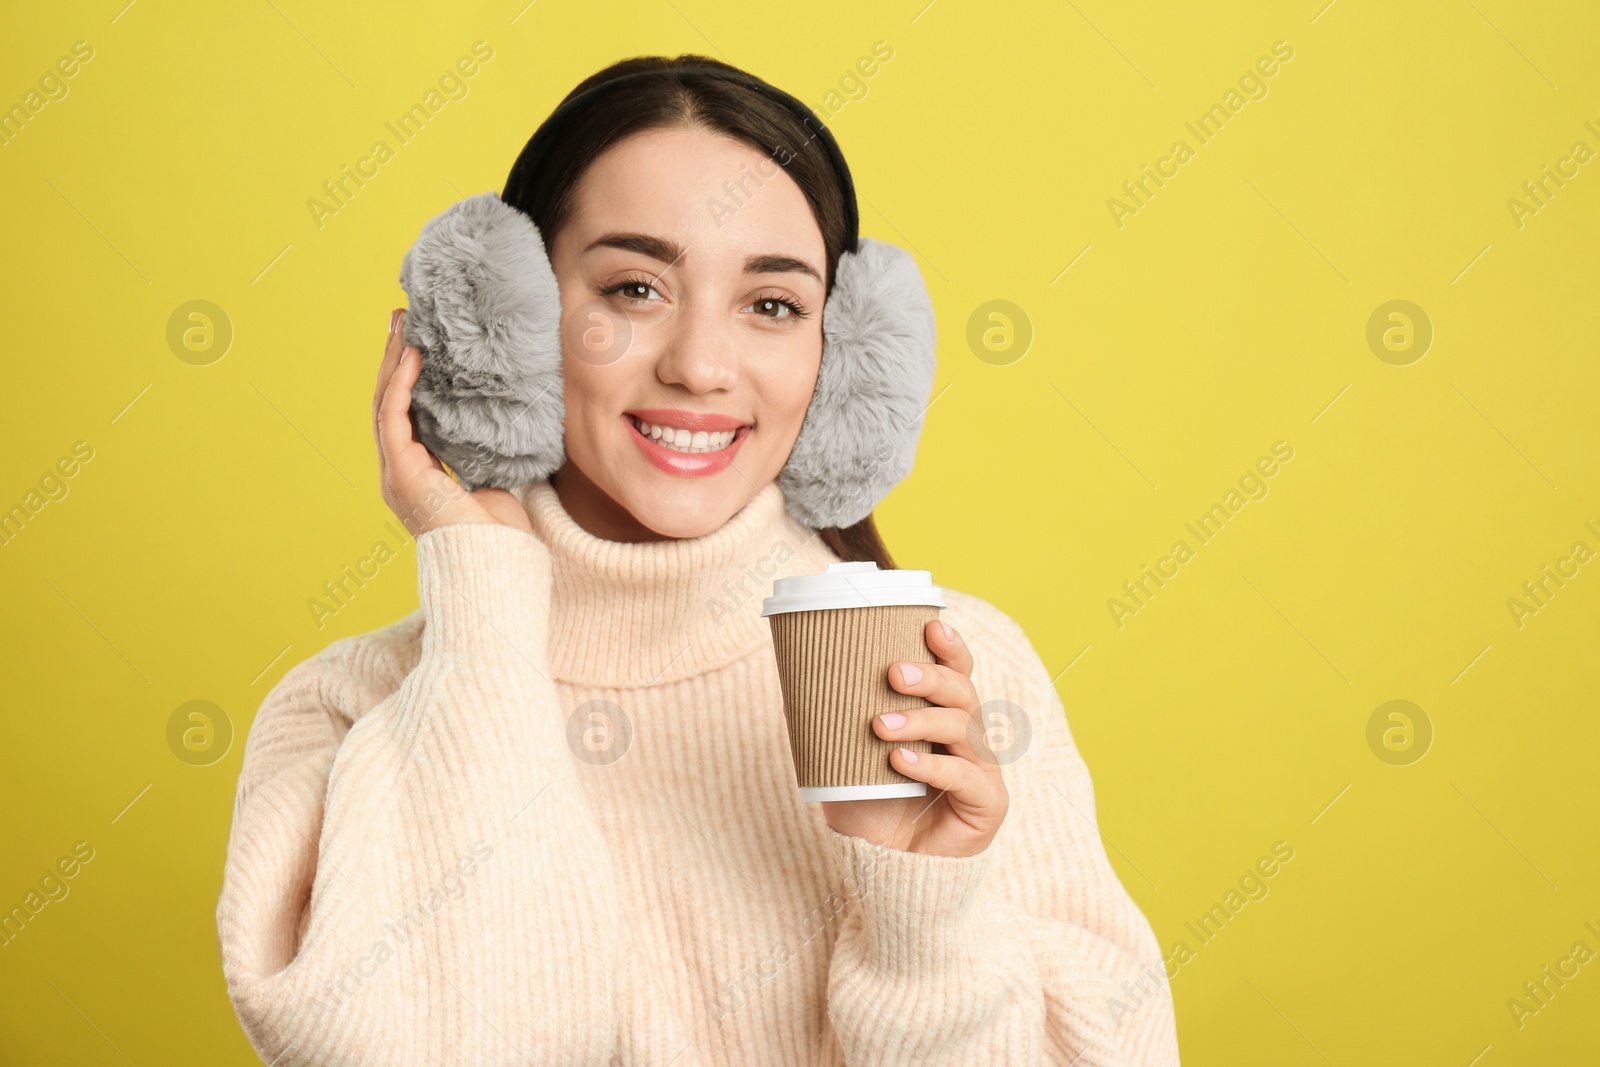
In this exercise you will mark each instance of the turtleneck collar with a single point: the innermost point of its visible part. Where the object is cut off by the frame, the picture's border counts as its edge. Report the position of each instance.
(627, 615)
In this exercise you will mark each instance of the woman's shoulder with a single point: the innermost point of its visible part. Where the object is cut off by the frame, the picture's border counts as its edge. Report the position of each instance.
(1001, 650)
(310, 708)
(983, 621)
(350, 675)
(1020, 705)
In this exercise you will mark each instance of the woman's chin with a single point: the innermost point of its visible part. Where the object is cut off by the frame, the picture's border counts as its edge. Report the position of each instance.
(685, 507)
(690, 512)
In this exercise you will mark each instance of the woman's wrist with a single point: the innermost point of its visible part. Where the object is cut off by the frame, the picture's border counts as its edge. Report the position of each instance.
(486, 586)
(916, 908)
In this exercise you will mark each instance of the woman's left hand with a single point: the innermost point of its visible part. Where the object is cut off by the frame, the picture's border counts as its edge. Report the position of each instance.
(967, 796)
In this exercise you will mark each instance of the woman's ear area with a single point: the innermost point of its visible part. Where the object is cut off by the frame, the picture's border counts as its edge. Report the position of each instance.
(878, 363)
(485, 311)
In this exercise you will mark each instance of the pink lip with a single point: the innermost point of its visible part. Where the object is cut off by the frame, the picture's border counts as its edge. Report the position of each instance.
(688, 420)
(686, 464)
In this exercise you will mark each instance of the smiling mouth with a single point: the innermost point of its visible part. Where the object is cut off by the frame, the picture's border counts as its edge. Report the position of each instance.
(691, 442)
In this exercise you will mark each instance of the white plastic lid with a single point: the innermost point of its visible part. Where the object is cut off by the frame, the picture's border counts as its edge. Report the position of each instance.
(852, 585)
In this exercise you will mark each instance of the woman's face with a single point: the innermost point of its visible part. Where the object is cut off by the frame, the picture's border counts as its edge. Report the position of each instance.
(691, 273)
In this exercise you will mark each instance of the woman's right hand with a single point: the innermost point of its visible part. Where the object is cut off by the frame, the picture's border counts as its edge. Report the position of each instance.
(415, 484)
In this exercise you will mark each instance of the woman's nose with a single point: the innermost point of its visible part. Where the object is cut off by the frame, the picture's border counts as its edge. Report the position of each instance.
(700, 353)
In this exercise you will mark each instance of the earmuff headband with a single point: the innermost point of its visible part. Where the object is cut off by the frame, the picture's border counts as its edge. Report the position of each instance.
(574, 106)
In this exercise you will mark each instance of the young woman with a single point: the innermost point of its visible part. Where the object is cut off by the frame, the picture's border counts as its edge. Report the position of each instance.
(433, 861)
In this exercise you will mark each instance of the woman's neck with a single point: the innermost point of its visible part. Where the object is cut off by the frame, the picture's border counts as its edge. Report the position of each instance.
(627, 615)
(595, 511)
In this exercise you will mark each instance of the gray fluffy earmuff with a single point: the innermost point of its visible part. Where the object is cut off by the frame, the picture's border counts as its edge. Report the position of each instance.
(485, 312)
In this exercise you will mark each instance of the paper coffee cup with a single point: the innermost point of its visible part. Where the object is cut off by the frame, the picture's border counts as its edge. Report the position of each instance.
(835, 635)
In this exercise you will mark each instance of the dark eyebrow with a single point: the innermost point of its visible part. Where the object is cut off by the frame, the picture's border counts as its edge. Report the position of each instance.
(644, 244)
(780, 265)
(669, 252)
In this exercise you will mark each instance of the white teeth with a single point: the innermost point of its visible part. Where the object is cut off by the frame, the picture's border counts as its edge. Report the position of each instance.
(681, 440)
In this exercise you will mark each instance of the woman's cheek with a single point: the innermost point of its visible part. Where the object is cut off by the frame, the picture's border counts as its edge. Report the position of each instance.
(588, 404)
(793, 376)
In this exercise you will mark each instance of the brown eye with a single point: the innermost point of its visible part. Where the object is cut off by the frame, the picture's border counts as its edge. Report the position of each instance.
(773, 308)
(634, 290)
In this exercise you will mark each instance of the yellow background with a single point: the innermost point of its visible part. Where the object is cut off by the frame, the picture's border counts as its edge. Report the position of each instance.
(1229, 313)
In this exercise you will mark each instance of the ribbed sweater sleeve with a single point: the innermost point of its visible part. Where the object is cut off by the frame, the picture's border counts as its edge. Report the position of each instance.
(425, 884)
(1030, 952)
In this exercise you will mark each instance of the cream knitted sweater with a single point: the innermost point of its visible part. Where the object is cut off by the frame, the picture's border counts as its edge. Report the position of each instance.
(443, 853)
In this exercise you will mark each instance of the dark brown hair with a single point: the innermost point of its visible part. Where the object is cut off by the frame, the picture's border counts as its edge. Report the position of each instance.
(668, 92)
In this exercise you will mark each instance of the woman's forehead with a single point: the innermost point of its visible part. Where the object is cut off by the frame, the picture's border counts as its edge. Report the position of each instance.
(695, 188)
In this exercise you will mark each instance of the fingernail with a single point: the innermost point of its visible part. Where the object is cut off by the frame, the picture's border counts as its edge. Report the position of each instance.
(893, 719)
(910, 673)
(908, 755)
(394, 318)
(949, 634)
